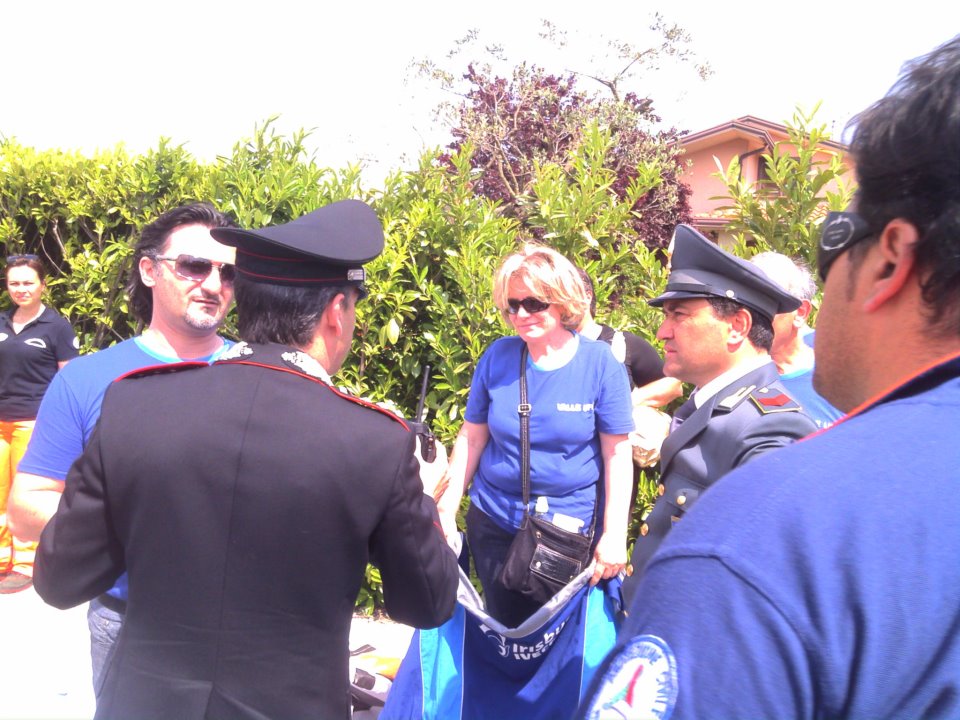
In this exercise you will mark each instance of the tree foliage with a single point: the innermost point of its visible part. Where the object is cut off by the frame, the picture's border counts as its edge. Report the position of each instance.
(515, 126)
(518, 116)
(80, 215)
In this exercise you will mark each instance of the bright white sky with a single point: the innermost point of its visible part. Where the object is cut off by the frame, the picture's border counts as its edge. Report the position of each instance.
(88, 75)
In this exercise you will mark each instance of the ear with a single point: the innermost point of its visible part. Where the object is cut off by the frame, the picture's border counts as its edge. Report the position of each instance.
(333, 315)
(740, 325)
(147, 269)
(802, 313)
(890, 265)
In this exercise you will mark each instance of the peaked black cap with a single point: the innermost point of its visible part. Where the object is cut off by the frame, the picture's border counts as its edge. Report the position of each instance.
(328, 245)
(699, 268)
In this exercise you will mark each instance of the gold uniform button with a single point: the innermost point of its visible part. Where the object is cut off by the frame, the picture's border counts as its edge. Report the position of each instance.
(661, 489)
(681, 500)
(644, 529)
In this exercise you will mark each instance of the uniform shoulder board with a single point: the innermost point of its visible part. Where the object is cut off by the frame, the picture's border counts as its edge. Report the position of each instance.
(162, 369)
(772, 399)
(370, 404)
(736, 397)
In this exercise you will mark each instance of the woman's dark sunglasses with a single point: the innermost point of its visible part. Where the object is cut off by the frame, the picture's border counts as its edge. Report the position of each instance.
(530, 304)
(198, 269)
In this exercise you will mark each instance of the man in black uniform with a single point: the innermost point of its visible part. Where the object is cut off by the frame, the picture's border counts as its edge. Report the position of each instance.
(244, 500)
(717, 333)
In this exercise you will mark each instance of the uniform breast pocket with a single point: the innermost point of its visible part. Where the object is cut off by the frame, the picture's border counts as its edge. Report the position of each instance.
(680, 501)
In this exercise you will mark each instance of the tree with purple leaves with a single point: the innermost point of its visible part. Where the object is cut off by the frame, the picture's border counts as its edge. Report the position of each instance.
(518, 124)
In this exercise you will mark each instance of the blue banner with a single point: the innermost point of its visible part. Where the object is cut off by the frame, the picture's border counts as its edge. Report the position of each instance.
(472, 667)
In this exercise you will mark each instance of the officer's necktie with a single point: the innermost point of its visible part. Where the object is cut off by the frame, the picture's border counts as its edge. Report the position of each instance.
(682, 413)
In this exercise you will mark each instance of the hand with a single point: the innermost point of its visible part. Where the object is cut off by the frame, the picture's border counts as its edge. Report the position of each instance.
(448, 525)
(610, 557)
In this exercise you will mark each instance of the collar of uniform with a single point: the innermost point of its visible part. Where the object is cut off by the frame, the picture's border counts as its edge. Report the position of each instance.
(701, 395)
(276, 355)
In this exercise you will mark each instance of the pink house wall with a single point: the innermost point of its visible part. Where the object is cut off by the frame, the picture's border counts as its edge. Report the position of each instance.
(702, 169)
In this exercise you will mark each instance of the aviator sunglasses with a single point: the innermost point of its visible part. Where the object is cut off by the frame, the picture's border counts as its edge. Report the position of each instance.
(18, 258)
(198, 269)
(530, 304)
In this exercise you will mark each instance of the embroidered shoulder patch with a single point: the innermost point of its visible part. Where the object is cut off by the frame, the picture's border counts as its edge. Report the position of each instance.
(305, 364)
(771, 400)
(640, 682)
(238, 350)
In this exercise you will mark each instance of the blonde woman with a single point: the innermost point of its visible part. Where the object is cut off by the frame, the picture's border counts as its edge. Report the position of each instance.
(579, 423)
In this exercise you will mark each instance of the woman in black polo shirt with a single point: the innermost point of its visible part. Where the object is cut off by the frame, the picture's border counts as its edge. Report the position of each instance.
(35, 342)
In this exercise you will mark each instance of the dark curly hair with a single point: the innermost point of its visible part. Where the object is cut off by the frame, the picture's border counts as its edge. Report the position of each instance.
(906, 148)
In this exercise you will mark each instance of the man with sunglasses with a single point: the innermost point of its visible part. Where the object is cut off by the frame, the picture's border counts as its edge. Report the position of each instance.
(181, 287)
(246, 497)
(822, 580)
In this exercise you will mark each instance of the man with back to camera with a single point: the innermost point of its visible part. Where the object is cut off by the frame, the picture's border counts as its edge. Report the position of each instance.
(182, 286)
(717, 333)
(821, 581)
(285, 485)
(791, 350)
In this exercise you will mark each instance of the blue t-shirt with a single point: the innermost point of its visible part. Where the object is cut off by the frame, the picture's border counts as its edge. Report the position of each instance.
(71, 406)
(818, 581)
(799, 385)
(571, 406)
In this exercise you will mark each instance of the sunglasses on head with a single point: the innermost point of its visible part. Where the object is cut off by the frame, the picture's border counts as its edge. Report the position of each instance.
(198, 269)
(841, 231)
(17, 258)
(530, 304)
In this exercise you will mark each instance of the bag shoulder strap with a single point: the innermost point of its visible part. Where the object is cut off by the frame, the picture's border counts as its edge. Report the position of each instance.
(523, 410)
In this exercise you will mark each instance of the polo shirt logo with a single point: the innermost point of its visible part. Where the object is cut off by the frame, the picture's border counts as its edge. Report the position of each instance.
(3, 336)
(574, 407)
(36, 342)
